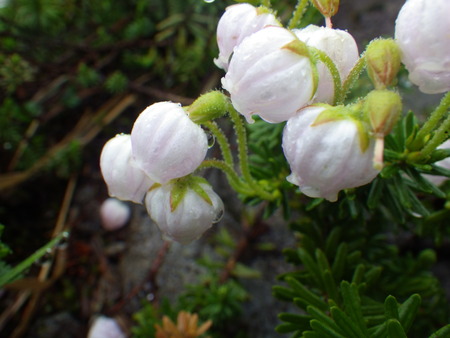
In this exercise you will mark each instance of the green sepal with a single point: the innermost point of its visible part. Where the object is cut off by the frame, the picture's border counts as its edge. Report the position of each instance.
(154, 186)
(298, 47)
(364, 138)
(339, 113)
(195, 185)
(181, 186)
(176, 195)
(331, 114)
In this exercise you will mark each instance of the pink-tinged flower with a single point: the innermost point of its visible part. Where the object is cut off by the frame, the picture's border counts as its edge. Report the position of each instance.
(340, 47)
(124, 179)
(238, 22)
(326, 157)
(166, 144)
(114, 214)
(422, 33)
(104, 327)
(183, 216)
(270, 75)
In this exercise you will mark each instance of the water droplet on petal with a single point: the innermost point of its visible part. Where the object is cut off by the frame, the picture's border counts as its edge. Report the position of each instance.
(218, 216)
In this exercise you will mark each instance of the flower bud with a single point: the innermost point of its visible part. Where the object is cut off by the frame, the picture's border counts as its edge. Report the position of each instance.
(422, 33)
(104, 327)
(208, 107)
(327, 155)
(114, 214)
(238, 22)
(124, 179)
(383, 62)
(182, 210)
(383, 108)
(340, 47)
(166, 144)
(327, 8)
(270, 75)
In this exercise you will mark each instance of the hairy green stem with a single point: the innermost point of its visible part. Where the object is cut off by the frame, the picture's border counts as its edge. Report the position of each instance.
(233, 179)
(222, 141)
(298, 14)
(243, 157)
(431, 124)
(351, 79)
(324, 58)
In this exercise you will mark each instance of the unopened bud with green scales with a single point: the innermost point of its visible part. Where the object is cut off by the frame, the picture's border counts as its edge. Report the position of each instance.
(383, 109)
(383, 58)
(327, 8)
(208, 107)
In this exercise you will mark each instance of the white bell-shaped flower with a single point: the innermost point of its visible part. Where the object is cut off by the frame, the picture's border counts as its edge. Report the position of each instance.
(183, 216)
(124, 179)
(326, 157)
(270, 75)
(166, 144)
(340, 47)
(422, 33)
(114, 214)
(105, 327)
(238, 22)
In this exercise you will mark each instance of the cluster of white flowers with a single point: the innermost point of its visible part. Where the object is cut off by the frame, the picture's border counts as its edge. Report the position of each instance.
(295, 76)
(273, 74)
(164, 146)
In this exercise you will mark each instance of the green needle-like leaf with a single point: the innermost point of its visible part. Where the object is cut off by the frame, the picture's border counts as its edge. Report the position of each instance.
(408, 311)
(391, 308)
(352, 305)
(395, 329)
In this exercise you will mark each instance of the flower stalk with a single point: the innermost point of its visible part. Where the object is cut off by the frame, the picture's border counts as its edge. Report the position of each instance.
(243, 156)
(350, 81)
(323, 57)
(298, 14)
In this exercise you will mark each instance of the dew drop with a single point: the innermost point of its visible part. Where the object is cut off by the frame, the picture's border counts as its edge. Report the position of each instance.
(64, 241)
(218, 216)
(209, 1)
(211, 140)
(46, 258)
